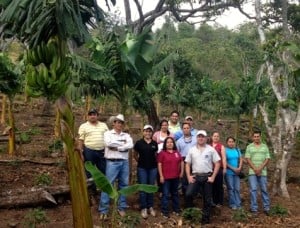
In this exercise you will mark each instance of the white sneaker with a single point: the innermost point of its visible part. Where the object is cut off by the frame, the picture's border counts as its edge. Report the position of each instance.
(144, 213)
(152, 211)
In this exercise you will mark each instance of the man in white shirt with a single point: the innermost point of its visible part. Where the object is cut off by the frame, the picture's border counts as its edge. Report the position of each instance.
(204, 161)
(117, 145)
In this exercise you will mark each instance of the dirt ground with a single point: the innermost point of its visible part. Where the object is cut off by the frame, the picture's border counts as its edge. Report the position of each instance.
(20, 176)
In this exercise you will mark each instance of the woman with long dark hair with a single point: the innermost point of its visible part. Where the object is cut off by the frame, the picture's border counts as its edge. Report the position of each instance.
(170, 169)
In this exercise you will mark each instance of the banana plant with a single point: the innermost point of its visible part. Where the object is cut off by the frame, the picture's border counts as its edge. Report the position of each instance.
(10, 84)
(104, 185)
(36, 23)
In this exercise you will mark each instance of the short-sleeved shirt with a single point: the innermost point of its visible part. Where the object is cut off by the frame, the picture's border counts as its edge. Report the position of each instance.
(183, 144)
(202, 161)
(171, 164)
(147, 154)
(257, 155)
(173, 129)
(233, 156)
(93, 135)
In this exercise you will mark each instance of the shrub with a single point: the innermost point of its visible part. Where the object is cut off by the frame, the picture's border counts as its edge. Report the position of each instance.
(278, 210)
(192, 215)
(240, 215)
(34, 217)
(43, 179)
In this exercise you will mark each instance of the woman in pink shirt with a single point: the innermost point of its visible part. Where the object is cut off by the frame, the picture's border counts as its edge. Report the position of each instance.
(170, 168)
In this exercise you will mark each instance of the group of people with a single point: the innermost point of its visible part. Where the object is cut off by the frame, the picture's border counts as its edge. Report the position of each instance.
(177, 156)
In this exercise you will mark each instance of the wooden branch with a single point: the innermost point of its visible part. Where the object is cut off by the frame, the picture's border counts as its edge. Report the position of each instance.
(34, 196)
(23, 160)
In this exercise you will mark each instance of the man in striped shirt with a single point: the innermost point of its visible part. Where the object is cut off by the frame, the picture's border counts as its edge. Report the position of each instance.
(91, 140)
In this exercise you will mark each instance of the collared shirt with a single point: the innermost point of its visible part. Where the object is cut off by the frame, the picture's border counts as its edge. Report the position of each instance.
(170, 163)
(179, 133)
(173, 129)
(147, 154)
(184, 144)
(202, 161)
(257, 156)
(123, 142)
(93, 135)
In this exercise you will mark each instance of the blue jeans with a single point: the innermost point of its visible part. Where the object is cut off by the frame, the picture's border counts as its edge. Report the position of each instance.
(233, 189)
(146, 176)
(96, 157)
(170, 186)
(115, 170)
(261, 182)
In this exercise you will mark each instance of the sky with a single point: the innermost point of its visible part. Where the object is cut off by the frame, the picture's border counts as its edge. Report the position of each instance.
(231, 19)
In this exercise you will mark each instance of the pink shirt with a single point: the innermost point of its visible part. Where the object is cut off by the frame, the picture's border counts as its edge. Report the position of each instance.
(171, 164)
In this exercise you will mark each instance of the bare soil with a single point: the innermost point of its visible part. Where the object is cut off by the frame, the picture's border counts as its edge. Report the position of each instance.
(24, 175)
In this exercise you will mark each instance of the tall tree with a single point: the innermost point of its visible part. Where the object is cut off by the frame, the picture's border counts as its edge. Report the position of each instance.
(282, 69)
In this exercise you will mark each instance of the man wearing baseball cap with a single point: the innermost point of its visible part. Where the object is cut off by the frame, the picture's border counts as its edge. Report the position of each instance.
(202, 166)
(91, 140)
(179, 134)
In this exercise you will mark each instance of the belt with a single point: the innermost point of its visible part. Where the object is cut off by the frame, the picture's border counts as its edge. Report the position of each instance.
(115, 159)
(202, 174)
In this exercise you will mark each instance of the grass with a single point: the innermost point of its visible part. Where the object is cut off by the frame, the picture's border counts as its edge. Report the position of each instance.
(35, 217)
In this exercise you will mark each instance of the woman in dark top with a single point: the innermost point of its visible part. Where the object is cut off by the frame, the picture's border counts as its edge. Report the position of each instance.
(145, 154)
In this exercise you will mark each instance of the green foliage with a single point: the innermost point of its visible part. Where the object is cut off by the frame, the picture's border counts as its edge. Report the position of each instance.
(104, 185)
(25, 137)
(192, 215)
(278, 210)
(34, 131)
(35, 217)
(131, 220)
(56, 145)
(43, 179)
(10, 82)
(240, 215)
(36, 21)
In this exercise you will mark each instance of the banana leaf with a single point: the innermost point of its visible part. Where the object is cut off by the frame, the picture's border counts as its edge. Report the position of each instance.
(138, 187)
(101, 181)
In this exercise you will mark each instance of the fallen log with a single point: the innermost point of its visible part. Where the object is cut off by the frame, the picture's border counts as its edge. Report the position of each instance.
(34, 196)
(23, 160)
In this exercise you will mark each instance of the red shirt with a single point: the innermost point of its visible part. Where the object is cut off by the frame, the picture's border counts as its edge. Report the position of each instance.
(170, 163)
(218, 148)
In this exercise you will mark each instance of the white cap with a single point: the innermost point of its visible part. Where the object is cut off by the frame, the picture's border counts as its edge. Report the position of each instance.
(119, 117)
(202, 132)
(147, 126)
(188, 117)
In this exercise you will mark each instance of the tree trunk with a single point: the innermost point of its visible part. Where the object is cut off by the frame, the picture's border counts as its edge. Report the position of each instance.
(12, 134)
(82, 217)
(88, 100)
(3, 110)
(57, 129)
(152, 115)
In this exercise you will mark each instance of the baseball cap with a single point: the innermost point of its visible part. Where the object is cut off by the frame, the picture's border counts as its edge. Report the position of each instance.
(202, 132)
(93, 111)
(147, 126)
(188, 117)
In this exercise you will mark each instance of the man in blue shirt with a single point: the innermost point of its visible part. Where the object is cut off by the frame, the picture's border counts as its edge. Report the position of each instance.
(184, 144)
(179, 134)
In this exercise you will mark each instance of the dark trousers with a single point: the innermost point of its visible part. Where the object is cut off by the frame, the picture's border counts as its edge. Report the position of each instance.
(97, 158)
(200, 185)
(218, 190)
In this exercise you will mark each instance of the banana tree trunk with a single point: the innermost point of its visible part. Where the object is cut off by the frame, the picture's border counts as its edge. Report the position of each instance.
(12, 135)
(57, 128)
(2, 121)
(82, 217)
(152, 115)
(88, 100)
